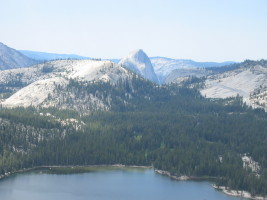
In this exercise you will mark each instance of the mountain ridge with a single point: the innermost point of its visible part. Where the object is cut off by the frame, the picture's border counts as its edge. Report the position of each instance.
(166, 69)
(220, 83)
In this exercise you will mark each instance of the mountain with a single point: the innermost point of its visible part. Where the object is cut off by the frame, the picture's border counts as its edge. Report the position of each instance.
(170, 127)
(163, 70)
(139, 62)
(61, 84)
(168, 69)
(43, 56)
(11, 58)
(247, 80)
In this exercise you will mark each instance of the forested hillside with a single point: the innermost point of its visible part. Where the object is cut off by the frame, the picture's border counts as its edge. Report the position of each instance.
(170, 127)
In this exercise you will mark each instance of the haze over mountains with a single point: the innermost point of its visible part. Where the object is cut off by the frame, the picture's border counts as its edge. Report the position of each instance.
(43, 56)
(11, 58)
(38, 85)
(166, 69)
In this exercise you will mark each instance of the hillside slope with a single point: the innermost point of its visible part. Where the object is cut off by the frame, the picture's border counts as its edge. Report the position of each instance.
(248, 81)
(52, 84)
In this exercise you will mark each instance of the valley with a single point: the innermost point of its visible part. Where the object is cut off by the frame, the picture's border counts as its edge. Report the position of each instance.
(207, 123)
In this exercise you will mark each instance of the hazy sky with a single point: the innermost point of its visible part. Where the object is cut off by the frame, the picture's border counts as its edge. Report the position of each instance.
(202, 30)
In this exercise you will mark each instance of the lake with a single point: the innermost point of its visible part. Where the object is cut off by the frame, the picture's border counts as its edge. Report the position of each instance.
(105, 184)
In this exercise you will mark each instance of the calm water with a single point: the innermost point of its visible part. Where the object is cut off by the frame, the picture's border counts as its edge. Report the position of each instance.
(105, 185)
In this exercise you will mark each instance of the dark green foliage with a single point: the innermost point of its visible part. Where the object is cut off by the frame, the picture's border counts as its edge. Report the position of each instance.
(172, 128)
(28, 117)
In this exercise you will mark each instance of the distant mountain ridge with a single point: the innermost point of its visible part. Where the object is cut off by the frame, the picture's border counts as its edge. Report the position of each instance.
(168, 67)
(11, 58)
(44, 56)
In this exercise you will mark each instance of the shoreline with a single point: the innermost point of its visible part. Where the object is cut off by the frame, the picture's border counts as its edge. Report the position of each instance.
(24, 170)
(178, 178)
(183, 177)
(225, 190)
(238, 193)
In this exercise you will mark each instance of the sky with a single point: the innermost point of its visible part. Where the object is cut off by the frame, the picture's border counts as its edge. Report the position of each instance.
(201, 30)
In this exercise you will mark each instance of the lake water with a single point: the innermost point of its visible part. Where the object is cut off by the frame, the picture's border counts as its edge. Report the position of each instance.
(119, 184)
